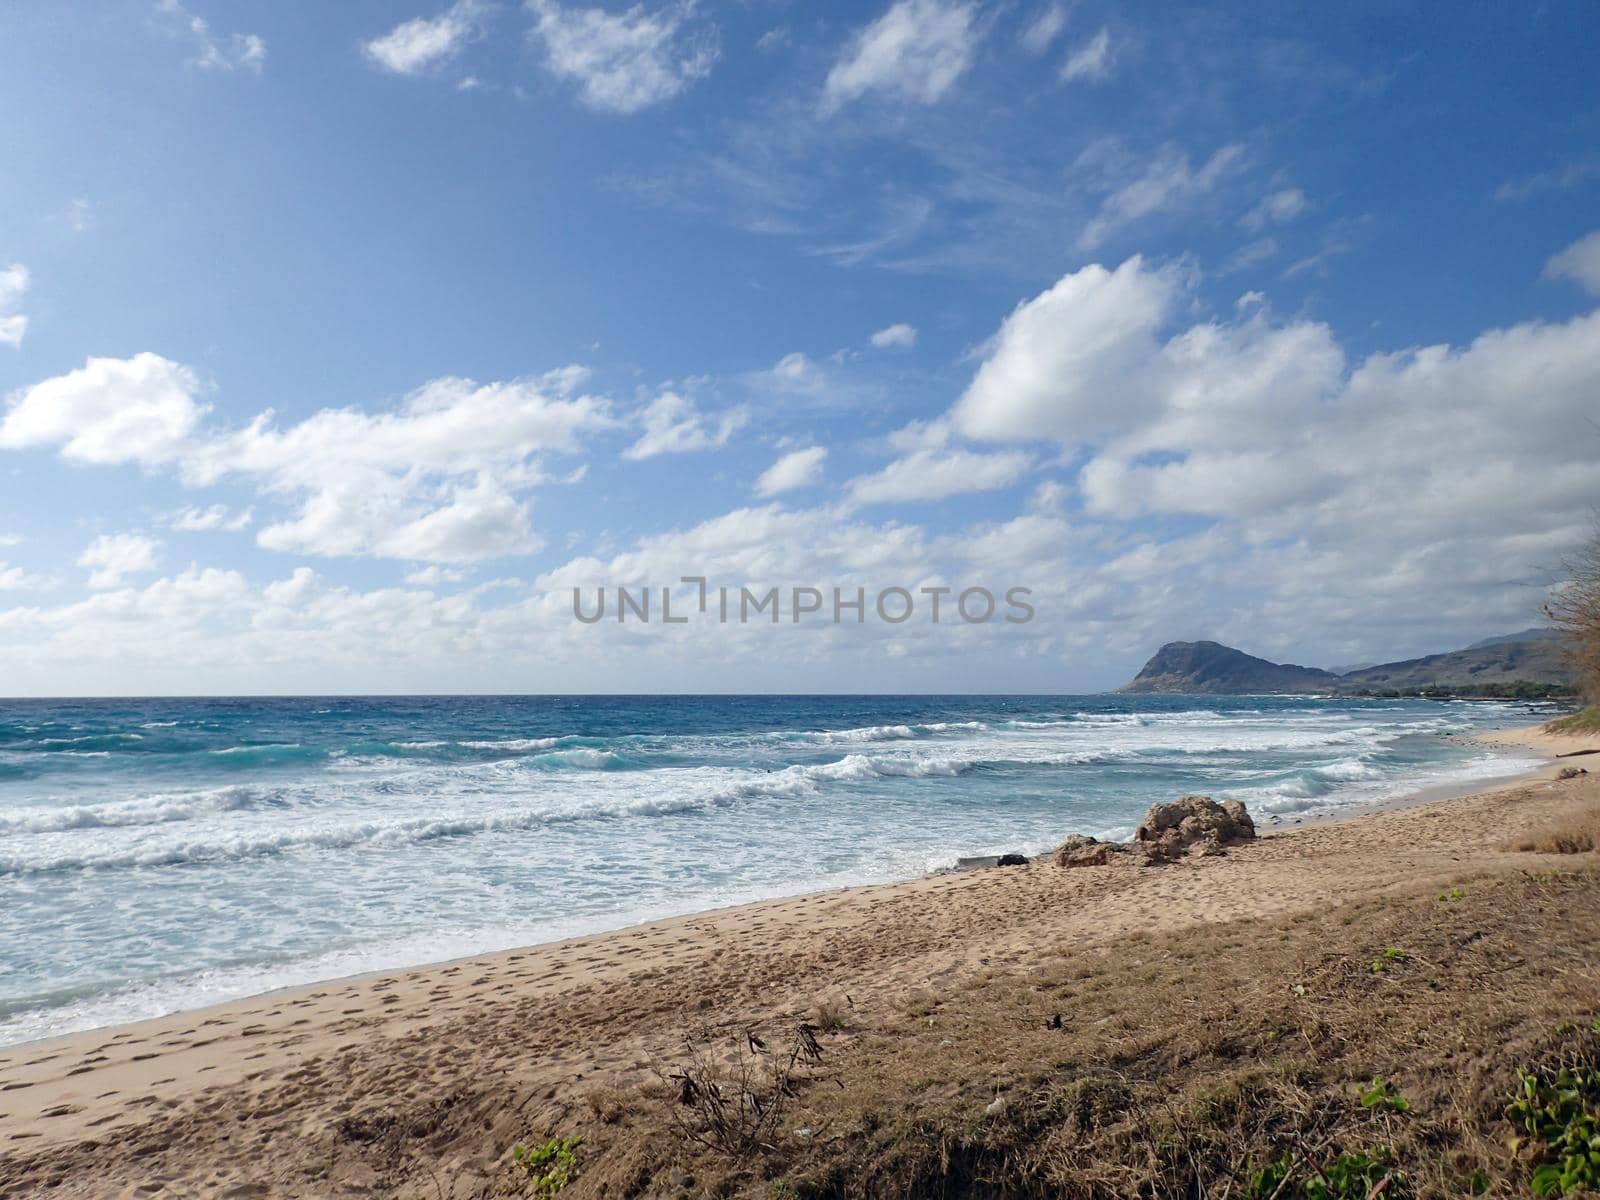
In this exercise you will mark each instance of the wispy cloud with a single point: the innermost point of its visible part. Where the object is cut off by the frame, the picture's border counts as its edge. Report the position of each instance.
(1167, 182)
(213, 51)
(625, 62)
(795, 470)
(422, 43)
(899, 336)
(1090, 62)
(14, 282)
(674, 424)
(915, 51)
(1558, 179)
(1579, 262)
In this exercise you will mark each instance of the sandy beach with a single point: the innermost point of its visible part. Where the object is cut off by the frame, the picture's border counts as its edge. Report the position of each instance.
(421, 1080)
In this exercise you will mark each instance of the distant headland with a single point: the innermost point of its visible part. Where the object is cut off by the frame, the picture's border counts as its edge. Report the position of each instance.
(1526, 665)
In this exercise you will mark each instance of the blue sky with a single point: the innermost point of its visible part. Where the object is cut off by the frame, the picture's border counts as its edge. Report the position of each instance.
(339, 342)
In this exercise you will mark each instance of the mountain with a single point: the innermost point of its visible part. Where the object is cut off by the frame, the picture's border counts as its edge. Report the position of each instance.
(1527, 635)
(1213, 667)
(1532, 658)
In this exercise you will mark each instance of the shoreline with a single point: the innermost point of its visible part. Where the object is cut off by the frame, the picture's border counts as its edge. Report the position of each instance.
(291, 1066)
(1268, 825)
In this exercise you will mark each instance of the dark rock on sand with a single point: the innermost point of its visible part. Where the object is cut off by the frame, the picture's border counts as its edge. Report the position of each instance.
(1168, 832)
(1080, 850)
(1195, 819)
(1012, 860)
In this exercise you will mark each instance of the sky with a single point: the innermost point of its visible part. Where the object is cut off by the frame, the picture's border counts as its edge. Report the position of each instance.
(341, 343)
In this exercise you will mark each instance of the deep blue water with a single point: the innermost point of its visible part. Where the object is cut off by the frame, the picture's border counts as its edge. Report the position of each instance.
(161, 854)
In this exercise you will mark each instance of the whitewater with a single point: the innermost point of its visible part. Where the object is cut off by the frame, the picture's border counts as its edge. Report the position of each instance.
(159, 855)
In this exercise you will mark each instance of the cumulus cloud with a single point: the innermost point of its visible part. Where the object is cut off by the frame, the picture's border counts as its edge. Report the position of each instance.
(111, 410)
(628, 61)
(1072, 361)
(1091, 61)
(673, 424)
(795, 470)
(1167, 182)
(214, 52)
(421, 43)
(13, 324)
(435, 576)
(1579, 262)
(112, 557)
(437, 478)
(930, 468)
(16, 579)
(1425, 472)
(915, 51)
(896, 337)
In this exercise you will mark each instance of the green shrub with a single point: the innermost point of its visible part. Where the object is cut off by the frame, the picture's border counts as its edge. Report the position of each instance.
(550, 1167)
(1379, 1095)
(1558, 1108)
(1354, 1175)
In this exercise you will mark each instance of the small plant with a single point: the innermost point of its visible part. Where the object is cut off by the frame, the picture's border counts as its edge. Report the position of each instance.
(734, 1110)
(1558, 1108)
(1379, 1095)
(1392, 955)
(1354, 1175)
(1452, 895)
(550, 1167)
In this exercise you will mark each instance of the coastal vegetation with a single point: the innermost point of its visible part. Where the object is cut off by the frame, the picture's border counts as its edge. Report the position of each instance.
(1388, 1047)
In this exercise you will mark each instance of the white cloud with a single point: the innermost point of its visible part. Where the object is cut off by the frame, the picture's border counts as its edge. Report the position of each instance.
(674, 425)
(437, 478)
(795, 470)
(932, 473)
(1044, 29)
(215, 517)
(1431, 486)
(1069, 363)
(1275, 208)
(896, 337)
(1091, 61)
(1559, 179)
(1165, 183)
(15, 579)
(115, 556)
(111, 410)
(795, 374)
(435, 576)
(213, 52)
(915, 51)
(13, 324)
(624, 62)
(414, 46)
(1579, 262)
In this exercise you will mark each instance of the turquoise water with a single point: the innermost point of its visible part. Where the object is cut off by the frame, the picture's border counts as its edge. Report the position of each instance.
(163, 854)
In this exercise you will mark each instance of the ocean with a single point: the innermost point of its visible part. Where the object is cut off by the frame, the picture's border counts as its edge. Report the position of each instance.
(158, 855)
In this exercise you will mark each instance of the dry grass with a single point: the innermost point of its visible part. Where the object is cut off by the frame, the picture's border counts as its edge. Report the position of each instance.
(1577, 832)
(1584, 721)
(1182, 1065)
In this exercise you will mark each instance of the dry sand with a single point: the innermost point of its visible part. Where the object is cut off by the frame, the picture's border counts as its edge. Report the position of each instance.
(283, 1094)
